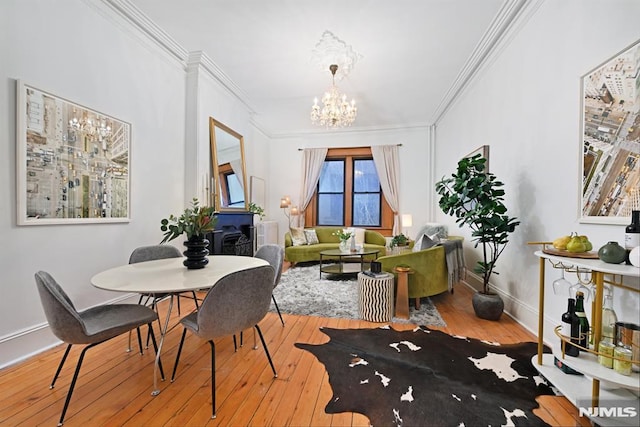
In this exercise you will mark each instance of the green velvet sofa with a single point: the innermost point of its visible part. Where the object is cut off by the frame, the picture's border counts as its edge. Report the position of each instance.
(430, 274)
(305, 253)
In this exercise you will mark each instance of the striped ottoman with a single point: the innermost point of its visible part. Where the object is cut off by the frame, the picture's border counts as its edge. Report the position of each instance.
(375, 297)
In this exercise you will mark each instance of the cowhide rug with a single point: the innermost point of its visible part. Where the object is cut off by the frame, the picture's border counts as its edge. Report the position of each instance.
(425, 377)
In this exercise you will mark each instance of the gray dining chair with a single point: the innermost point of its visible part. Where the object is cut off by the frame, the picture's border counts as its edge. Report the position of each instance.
(151, 253)
(91, 327)
(274, 255)
(236, 302)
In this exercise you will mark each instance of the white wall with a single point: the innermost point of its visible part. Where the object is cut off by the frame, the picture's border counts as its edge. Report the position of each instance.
(77, 51)
(85, 52)
(285, 177)
(525, 103)
(207, 98)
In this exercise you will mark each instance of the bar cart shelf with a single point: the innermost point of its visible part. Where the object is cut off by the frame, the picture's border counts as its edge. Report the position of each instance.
(604, 383)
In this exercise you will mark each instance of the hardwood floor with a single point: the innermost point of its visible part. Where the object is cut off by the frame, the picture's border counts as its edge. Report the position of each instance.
(114, 387)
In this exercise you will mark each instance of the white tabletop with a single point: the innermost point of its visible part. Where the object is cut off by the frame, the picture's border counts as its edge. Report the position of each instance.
(170, 275)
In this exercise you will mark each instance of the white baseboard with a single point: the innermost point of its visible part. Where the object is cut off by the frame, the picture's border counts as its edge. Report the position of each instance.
(32, 341)
(524, 314)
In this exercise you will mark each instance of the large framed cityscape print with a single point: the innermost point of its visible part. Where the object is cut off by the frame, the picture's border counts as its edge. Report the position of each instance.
(72, 162)
(610, 140)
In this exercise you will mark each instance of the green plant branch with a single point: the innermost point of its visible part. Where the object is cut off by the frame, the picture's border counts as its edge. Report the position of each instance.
(475, 198)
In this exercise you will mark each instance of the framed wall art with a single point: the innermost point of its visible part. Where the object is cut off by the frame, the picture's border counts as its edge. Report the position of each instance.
(72, 162)
(483, 150)
(610, 139)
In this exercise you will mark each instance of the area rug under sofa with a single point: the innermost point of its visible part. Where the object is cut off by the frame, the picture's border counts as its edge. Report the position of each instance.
(301, 291)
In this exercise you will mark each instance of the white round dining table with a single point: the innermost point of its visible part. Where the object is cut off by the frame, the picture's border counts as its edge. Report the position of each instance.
(170, 276)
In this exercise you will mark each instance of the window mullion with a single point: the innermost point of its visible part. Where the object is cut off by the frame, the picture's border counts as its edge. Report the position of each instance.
(348, 191)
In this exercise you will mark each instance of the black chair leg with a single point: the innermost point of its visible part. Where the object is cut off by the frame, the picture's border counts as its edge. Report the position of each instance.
(195, 299)
(64, 357)
(139, 340)
(266, 350)
(155, 347)
(73, 382)
(213, 379)
(277, 309)
(235, 343)
(175, 366)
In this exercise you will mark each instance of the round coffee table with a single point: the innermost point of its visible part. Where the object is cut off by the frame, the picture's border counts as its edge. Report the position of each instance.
(343, 261)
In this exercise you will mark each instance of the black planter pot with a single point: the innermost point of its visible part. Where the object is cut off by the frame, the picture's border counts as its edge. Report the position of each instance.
(196, 253)
(487, 306)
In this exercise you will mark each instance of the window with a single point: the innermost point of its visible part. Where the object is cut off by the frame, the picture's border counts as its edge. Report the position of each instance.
(366, 194)
(231, 191)
(349, 193)
(330, 194)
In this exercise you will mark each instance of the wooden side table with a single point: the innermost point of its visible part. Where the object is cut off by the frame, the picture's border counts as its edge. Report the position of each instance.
(375, 297)
(402, 293)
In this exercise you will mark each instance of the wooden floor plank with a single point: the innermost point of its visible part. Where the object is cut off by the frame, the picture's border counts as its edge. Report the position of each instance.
(114, 387)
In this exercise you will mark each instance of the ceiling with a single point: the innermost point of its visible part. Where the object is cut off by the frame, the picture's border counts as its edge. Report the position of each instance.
(416, 54)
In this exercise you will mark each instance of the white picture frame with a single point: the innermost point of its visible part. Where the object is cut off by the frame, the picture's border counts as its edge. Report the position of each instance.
(609, 178)
(72, 162)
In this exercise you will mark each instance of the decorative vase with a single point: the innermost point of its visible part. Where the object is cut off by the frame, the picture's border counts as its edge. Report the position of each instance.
(612, 253)
(344, 246)
(196, 253)
(487, 306)
(634, 256)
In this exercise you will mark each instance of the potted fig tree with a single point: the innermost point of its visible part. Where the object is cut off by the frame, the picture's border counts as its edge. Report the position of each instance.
(475, 197)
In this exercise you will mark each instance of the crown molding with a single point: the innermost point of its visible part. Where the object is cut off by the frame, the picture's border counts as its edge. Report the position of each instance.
(343, 131)
(140, 21)
(201, 60)
(509, 20)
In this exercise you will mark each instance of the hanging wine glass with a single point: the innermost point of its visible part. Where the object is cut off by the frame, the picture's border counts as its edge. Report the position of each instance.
(560, 283)
(582, 285)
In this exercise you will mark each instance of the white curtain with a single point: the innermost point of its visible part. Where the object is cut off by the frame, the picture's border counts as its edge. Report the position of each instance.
(312, 161)
(385, 158)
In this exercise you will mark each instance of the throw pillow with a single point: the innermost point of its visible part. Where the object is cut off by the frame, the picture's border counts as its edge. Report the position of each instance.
(426, 242)
(311, 236)
(297, 237)
(432, 228)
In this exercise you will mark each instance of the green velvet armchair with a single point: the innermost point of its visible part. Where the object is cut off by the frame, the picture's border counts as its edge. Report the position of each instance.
(430, 274)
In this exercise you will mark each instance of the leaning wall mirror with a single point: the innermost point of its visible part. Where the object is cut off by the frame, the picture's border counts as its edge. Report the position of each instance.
(228, 167)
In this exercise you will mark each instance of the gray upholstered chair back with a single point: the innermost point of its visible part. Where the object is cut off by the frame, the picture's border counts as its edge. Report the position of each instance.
(63, 318)
(274, 255)
(149, 253)
(236, 302)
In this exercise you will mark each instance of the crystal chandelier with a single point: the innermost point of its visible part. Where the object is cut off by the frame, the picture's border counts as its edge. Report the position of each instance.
(336, 112)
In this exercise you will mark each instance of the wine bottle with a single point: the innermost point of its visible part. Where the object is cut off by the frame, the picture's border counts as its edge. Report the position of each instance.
(609, 320)
(583, 322)
(570, 328)
(632, 234)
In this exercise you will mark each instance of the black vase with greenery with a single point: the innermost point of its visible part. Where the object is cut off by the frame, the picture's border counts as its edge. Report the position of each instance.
(196, 221)
(196, 253)
(475, 197)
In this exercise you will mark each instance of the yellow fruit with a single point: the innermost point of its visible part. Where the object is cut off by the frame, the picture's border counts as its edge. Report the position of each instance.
(561, 242)
(576, 245)
(587, 244)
